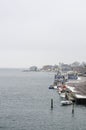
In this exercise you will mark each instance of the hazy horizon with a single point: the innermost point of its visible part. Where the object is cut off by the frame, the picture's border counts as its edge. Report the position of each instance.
(42, 32)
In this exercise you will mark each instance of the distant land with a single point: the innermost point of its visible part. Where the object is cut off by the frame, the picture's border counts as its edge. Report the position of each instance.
(75, 66)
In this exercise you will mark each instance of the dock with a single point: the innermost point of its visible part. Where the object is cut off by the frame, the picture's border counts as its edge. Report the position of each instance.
(78, 90)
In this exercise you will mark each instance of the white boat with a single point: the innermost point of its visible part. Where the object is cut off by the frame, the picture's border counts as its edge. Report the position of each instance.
(62, 95)
(55, 87)
(66, 102)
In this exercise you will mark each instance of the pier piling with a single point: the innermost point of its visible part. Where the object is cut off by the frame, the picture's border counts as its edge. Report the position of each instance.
(73, 108)
(51, 103)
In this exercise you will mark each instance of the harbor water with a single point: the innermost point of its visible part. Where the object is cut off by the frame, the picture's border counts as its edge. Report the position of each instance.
(25, 103)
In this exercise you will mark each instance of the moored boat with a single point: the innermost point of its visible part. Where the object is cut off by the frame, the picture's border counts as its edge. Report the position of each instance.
(62, 95)
(52, 87)
(66, 102)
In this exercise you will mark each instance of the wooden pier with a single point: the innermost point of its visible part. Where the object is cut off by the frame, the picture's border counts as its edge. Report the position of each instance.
(78, 90)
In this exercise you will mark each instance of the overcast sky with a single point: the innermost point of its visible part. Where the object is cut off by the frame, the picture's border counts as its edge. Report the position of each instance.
(39, 32)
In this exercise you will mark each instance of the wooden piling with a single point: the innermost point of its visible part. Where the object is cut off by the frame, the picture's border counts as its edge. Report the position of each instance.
(51, 103)
(73, 108)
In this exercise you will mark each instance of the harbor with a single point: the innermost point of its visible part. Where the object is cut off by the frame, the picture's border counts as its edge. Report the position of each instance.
(26, 103)
(42, 65)
(71, 88)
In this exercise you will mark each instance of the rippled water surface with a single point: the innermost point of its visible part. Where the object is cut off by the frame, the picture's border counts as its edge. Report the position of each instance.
(25, 103)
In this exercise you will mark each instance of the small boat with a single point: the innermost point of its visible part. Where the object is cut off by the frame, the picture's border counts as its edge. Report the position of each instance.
(51, 87)
(66, 102)
(55, 87)
(62, 95)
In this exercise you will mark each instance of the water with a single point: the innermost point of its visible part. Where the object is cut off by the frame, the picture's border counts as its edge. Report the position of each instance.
(25, 103)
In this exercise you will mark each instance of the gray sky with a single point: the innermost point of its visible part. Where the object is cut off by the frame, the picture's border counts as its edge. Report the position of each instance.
(39, 32)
